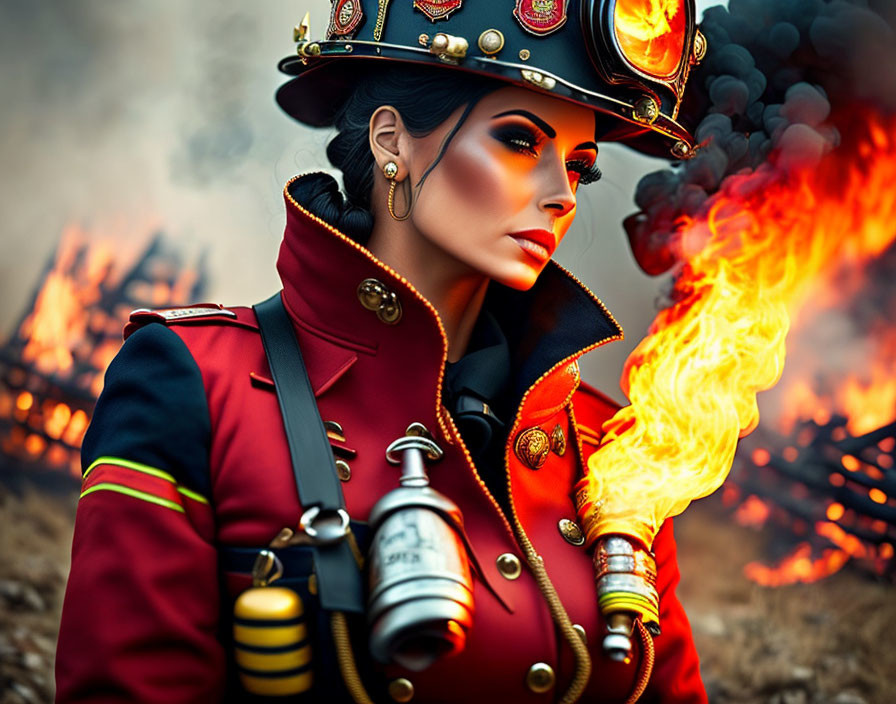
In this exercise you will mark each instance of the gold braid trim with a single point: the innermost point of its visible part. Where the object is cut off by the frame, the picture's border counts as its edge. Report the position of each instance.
(347, 666)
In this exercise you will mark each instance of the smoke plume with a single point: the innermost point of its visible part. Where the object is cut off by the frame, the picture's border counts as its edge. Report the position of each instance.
(780, 86)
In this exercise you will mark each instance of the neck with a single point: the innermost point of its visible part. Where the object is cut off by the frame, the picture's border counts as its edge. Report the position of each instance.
(456, 291)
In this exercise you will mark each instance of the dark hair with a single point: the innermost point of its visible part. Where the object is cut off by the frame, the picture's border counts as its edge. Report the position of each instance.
(424, 97)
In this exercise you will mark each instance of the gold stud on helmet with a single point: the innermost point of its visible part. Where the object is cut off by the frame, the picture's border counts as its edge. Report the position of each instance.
(626, 58)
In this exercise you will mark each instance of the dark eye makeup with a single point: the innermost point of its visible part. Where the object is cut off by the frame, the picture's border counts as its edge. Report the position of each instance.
(525, 141)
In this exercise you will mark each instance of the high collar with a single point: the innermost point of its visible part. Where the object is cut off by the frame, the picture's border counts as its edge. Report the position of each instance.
(321, 268)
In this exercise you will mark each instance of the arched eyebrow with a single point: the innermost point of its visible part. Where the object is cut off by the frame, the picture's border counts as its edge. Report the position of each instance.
(541, 124)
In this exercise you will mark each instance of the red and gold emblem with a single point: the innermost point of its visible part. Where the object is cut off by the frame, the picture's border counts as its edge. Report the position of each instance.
(540, 16)
(437, 9)
(345, 18)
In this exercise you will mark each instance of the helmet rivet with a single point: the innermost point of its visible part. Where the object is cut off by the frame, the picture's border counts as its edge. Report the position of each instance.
(491, 41)
(525, 54)
(646, 110)
(439, 42)
(682, 150)
(423, 40)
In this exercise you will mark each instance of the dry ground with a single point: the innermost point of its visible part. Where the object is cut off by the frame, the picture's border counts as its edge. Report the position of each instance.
(831, 642)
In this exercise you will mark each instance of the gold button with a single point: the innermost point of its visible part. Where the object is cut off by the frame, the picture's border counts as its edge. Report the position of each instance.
(374, 296)
(401, 690)
(371, 293)
(571, 532)
(580, 629)
(532, 447)
(540, 678)
(389, 310)
(509, 565)
(343, 470)
(558, 440)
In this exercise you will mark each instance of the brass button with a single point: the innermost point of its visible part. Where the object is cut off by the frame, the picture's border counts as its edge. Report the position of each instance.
(532, 447)
(571, 532)
(509, 565)
(374, 296)
(401, 690)
(343, 470)
(371, 293)
(580, 629)
(491, 41)
(540, 678)
(558, 441)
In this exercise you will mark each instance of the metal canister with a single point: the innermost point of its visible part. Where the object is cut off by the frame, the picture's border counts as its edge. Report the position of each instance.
(271, 648)
(421, 590)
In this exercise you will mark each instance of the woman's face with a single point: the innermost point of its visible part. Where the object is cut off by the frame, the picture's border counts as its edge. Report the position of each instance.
(504, 193)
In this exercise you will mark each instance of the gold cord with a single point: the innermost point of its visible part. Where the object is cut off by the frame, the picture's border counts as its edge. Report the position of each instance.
(646, 667)
(561, 620)
(347, 666)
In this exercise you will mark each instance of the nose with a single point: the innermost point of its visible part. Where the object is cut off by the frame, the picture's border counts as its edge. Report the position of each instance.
(558, 198)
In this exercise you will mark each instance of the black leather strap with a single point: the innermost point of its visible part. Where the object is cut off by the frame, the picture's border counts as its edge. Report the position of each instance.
(339, 579)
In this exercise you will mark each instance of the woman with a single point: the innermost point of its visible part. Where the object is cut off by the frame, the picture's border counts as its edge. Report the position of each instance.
(428, 296)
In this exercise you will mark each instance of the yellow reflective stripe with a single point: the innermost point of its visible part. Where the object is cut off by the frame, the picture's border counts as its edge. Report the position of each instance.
(192, 495)
(146, 469)
(142, 495)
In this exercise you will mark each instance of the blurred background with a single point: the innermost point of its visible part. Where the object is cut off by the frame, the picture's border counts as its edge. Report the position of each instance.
(143, 161)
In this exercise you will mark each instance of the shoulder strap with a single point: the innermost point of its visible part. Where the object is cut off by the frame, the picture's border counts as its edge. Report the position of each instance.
(339, 578)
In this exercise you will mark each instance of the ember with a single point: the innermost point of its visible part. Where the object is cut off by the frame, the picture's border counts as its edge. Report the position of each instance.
(51, 369)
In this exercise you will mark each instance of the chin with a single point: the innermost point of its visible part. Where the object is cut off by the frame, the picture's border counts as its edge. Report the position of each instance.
(520, 279)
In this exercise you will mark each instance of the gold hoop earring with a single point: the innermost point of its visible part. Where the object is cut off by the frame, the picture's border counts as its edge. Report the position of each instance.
(390, 171)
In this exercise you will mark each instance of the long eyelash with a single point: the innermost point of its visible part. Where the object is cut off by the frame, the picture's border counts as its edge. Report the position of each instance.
(588, 173)
(519, 140)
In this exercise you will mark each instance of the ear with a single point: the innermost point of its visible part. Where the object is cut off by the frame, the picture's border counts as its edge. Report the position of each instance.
(386, 132)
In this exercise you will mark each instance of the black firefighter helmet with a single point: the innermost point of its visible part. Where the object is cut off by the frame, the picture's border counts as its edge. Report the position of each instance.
(625, 58)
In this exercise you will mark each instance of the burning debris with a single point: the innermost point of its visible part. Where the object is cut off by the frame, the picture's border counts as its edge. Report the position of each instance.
(51, 369)
(821, 463)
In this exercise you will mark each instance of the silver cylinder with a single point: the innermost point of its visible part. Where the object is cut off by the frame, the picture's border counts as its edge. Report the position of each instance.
(421, 589)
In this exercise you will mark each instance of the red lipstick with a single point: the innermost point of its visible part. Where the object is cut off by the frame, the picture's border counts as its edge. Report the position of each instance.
(539, 243)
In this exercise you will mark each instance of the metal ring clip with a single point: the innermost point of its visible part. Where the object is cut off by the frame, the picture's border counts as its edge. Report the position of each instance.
(428, 447)
(328, 532)
(267, 568)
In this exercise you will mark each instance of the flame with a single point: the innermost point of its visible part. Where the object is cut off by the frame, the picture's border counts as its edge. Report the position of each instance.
(867, 398)
(651, 34)
(797, 567)
(59, 319)
(770, 240)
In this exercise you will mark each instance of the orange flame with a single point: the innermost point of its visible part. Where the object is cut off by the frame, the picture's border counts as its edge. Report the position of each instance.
(768, 241)
(797, 567)
(651, 34)
(868, 400)
(59, 319)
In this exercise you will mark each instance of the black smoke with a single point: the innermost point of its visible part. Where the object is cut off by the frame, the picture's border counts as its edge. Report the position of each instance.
(782, 84)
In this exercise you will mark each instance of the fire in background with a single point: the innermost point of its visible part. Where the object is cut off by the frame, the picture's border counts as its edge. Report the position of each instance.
(52, 366)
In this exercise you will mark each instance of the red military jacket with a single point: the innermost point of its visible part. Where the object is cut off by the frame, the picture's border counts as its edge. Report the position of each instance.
(187, 454)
